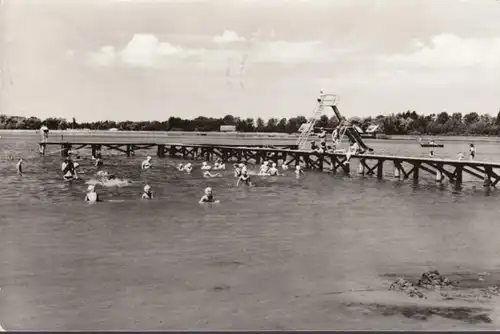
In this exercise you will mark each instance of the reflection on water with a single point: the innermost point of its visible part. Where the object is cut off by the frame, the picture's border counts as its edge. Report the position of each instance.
(262, 259)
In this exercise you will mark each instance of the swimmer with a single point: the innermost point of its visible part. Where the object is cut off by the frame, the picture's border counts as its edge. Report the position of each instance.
(273, 171)
(284, 166)
(147, 192)
(99, 162)
(208, 174)
(188, 167)
(180, 167)
(264, 168)
(92, 196)
(68, 169)
(244, 178)
(208, 197)
(146, 164)
(237, 171)
(19, 166)
(460, 156)
(205, 166)
(472, 151)
(219, 165)
(298, 171)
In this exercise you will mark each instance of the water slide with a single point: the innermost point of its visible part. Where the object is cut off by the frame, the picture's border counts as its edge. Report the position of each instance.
(351, 132)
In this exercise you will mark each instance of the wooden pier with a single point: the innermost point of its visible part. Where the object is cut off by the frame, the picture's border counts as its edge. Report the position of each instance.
(380, 166)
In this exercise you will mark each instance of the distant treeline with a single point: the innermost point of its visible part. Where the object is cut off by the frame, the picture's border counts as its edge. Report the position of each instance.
(407, 123)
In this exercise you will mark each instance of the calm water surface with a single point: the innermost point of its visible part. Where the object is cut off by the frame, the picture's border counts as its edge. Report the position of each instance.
(265, 258)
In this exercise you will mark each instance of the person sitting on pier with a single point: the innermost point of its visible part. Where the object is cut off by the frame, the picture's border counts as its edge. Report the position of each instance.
(147, 194)
(244, 178)
(298, 171)
(92, 196)
(472, 151)
(208, 197)
(314, 147)
(146, 164)
(210, 175)
(205, 166)
(188, 167)
(180, 167)
(68, 169)
(460, 156)
(19, 166)
(353, 150)
(273, 171)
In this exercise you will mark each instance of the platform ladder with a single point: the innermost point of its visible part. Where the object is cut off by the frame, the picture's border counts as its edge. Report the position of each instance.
(324, 100)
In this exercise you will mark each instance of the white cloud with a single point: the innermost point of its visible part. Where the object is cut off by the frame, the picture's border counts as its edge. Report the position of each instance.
(448, 51)
(143, 50)
(146, 50)
(227, 36)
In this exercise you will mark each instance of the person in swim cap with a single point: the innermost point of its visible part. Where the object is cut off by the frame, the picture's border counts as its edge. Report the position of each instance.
(188, 167)
(244, 178)
(208, 197)
(273, 171)
(147, 192)
(298, 171)
(205, 166)
(92, 196)
(146, 164)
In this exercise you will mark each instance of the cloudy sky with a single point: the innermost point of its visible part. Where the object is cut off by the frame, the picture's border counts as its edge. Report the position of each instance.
(152, 59)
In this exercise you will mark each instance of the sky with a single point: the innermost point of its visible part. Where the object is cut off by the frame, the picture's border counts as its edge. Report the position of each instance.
(153, 59)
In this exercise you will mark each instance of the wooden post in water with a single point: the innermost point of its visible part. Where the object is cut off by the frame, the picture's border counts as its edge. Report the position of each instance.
(380, 169)
(488, 171)
(128, 150)
(458, 175)
(416, 170)
(65, 148)
(160, 151)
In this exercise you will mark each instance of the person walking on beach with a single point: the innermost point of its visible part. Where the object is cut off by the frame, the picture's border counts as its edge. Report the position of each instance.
(472, 151)
(19, 166)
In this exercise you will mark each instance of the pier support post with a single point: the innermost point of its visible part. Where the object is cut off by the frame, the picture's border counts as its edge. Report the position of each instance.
(160, 152)
(397, 170)
(487, 176)
(458, 176)
(380, 169)
(416, 170)
(65, 148)
(321, 160)
(129, 150)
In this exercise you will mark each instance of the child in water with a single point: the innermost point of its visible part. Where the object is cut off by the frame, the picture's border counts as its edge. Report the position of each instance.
(68, 169)
(146, 164)
(180, 167)
(205, 166)
(208, 197)
(298, 172)
(147, 192)
(91, 195)
(19, 166)
(244, 178)
(273, 171)
(188, 167)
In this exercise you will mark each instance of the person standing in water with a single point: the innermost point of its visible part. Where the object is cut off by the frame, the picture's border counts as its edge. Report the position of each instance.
(19, 166)
(298, 172)
(244, 178)
(147, 192)
(472, 151)
(68, 169)
(273, 171)
(208, 197)
(92, 196)
(146, 164)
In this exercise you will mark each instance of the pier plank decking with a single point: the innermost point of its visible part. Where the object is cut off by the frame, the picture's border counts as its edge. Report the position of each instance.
(401, 167)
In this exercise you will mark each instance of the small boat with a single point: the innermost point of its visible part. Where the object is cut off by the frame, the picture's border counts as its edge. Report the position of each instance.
(431, 145)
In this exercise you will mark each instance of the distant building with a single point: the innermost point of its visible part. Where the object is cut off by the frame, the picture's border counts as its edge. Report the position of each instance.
(228, 128)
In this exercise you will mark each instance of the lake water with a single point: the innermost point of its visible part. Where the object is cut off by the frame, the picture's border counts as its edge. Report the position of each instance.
(267, 257)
